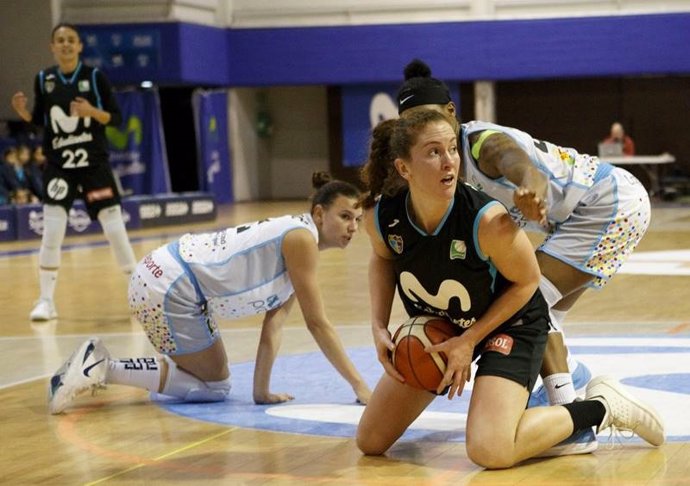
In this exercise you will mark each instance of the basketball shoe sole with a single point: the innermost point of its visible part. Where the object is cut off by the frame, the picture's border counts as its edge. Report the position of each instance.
(582, 442)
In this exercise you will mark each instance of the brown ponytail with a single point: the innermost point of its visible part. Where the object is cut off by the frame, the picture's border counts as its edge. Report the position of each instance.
(379, 174)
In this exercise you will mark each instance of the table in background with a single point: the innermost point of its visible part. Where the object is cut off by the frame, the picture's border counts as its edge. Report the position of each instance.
(650, 164)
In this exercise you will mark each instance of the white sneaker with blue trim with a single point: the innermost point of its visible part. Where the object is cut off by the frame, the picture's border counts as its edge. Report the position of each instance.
(85, 369)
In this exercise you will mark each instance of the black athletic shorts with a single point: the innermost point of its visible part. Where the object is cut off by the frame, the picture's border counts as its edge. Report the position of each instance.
(95, 185)
(515, 351)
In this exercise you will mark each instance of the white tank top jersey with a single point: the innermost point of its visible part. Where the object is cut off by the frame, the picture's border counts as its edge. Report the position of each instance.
(570, 174)
(241, 271)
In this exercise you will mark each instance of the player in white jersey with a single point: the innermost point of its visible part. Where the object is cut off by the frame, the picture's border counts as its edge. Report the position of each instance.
(177, 291)
(593, 215)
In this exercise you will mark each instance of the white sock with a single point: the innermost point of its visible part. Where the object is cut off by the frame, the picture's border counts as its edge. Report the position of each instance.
(47, 280)
(559, 388)
(138, 372)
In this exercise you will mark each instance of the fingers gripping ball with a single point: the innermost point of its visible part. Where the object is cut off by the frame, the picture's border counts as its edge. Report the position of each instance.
(420, 369)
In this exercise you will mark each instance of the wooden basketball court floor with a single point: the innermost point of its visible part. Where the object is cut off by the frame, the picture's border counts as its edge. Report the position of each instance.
(121, 437)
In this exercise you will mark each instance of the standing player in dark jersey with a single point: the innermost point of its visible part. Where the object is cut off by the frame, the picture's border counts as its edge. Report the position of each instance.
(453, 251)
(73, 103)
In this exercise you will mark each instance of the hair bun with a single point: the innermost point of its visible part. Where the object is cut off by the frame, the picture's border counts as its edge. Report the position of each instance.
(320, 178)
(417, 69)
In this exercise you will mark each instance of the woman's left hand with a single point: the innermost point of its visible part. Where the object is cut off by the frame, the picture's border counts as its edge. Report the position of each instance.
(459, 351)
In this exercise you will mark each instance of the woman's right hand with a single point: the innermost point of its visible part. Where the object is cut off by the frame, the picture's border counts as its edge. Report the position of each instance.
(384, 349)
(19, 102)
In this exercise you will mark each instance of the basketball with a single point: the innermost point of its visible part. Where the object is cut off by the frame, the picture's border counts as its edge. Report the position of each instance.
(420, 369)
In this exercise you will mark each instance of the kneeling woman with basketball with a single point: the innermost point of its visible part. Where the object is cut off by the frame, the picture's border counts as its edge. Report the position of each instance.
(177, 291)
(454, 252)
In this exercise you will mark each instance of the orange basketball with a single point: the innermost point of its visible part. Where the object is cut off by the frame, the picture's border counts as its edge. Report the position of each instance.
(421, 369)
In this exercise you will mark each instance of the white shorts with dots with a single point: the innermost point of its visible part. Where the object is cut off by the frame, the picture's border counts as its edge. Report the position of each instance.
(604, 228)
(163, 298)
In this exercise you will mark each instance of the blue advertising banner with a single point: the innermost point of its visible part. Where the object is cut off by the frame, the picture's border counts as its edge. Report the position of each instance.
(8, 223)
(213, 154)
(25, 222)
(118, 47)
(137, 148)
(171, 209)
(30, 220)
(363, 108)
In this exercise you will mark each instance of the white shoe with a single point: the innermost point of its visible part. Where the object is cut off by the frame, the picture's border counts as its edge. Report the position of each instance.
(624, 411)
(44, 310)
(85, 369)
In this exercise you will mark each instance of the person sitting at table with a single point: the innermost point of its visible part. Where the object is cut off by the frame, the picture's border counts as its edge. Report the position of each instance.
(617, 135)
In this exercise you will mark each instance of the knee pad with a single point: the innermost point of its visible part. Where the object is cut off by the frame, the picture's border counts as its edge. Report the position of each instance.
(54, 227)
(114, 228)
(189, 388)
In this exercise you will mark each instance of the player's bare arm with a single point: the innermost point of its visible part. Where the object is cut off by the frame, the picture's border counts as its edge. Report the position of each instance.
(82, 108)
(301, 255)
(382, 292)
(501, 156)
(269, 344)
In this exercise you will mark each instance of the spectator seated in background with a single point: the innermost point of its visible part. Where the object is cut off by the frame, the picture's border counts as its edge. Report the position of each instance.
(617, 138)
(37, 164)
(18, 174)
(33, 173)
(5, 189)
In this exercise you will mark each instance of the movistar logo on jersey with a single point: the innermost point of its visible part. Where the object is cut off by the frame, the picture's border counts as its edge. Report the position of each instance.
(438, 303)
(61, 123)
(119, 139)
(458, 250)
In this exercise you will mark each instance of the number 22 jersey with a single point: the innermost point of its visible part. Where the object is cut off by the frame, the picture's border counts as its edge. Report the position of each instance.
(72, 142)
